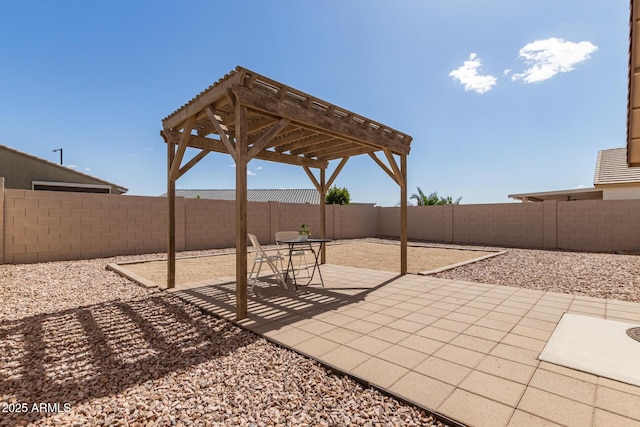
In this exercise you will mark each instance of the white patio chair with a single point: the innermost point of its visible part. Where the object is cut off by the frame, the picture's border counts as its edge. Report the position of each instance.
(261, 257)
(283, 250)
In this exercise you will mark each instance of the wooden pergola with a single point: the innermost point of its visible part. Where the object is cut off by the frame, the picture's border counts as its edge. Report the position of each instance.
(249, 116)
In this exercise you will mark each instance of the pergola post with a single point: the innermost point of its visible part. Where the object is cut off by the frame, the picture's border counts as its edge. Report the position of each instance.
(241, 211)
(323, 215)
(171, 201)
(403, 214)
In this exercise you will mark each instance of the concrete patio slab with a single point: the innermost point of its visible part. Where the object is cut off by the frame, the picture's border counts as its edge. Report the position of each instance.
(468, 351)
(596, 346)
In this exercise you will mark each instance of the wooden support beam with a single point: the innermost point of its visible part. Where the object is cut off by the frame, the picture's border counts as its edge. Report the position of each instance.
(393, 164)
(307, 140)
(335, 173)
(208, 97)
(323, 215)
(193, 162)
(260, 125)
(384, 167)
(224, 109)
(322, 148)
(202, 142)
(403, 215)
(313, 178)
(184, 140)
(241, 212)
(338, 153)
(266, 138)
(314, 119)
(231, 148)
(171, 219)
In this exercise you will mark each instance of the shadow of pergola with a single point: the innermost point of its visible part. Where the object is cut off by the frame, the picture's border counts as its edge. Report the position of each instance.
(89, 352)
(270, 306)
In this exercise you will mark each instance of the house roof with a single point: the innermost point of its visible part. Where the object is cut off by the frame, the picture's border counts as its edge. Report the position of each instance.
(61, 167)
(562, 195)
(612, 168)
(282, 195)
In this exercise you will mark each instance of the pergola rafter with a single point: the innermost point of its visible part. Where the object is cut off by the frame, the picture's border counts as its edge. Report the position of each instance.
(247, 116)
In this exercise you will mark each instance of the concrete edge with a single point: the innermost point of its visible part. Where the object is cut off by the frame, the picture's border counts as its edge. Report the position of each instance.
(142, 261)
(145, 283)
(460, 264)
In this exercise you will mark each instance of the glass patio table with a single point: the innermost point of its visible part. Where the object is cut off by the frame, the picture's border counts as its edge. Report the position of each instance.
(292, 243)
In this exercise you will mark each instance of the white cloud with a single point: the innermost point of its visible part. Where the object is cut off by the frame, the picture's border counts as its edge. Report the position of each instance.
(507, 71)
(87, 169)
(250, 173)
(259, 168)
(551, 56)
(469, 76)
(72, 166)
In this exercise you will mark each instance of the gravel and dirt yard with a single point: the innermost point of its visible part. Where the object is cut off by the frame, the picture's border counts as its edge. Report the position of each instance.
(375, 255)
(97, 350)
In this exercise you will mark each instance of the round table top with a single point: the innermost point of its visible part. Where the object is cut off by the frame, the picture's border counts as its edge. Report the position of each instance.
(308, 240)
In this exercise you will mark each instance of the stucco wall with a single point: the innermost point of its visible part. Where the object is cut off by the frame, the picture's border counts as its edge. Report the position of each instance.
(622, 192)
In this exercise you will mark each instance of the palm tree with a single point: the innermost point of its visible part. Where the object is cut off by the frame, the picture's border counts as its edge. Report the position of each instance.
(449, 201)
(433, 199)
(424, 200)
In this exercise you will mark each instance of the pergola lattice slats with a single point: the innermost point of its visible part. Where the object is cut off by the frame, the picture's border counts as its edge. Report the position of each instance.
(247, 116)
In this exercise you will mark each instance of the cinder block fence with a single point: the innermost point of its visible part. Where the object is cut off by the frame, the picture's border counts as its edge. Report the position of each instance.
(39, 226)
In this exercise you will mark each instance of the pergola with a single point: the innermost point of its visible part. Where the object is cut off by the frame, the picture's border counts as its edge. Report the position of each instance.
(249, 116)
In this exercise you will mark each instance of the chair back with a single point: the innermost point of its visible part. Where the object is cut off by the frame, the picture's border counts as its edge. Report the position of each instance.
(256, 244)
(286, 235)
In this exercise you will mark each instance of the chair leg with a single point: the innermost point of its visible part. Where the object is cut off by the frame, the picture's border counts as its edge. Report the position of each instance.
(255, 279)
(276, 272)
(306, 265)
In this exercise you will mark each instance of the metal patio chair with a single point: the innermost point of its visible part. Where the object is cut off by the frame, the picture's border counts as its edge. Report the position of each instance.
(260, 257)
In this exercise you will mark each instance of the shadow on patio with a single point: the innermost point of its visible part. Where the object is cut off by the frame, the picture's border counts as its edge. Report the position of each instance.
(271, 307)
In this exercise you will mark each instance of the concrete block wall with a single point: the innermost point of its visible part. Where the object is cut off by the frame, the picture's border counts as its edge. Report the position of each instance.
(38, 226)
(499, 224)
(593, 225)
(292, 216)
(44, 226)
(208, 224)
(599, 225)
(354, 221)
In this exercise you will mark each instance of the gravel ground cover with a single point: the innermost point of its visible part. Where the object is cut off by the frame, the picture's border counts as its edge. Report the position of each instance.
(611, 276)
(80, 345)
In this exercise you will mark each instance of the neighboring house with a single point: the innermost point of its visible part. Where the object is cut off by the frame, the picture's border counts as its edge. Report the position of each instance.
(26, 172)
(283, 195)
(613, 180)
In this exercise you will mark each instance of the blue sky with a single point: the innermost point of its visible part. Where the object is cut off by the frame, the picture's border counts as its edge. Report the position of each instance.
(500, 96)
